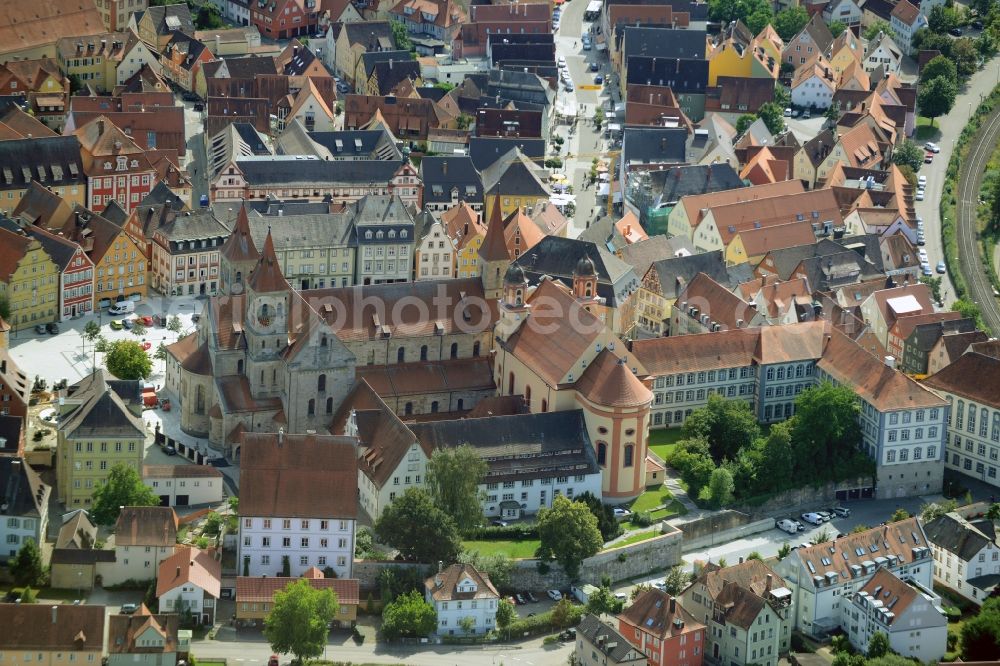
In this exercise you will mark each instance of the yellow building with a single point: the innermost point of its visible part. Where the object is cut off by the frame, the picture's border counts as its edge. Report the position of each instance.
(255, 596)
(119, 262)
(466, 231)
(736, 52)
(100, 426)
(845, 51)
(53, 160)
(514, 179)
(106, 60)
(29, 280)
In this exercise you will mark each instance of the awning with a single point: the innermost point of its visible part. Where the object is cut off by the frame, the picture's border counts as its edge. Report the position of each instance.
(594, 6)
(602, 190)
(614, 127)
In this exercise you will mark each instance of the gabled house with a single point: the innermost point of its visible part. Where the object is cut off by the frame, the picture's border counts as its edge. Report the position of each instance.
(26, 501)
(182, 58)
(814, 84)
(145, 639)
(663, 630)
(883, 308)
(145, 536)
(450, 180)
(29, 281)
(15, 387)
(460, 592)
(189, 583)
(466, 230)
(512, 182)
(924, 338)
(814, 39)
(905, 20)
(156, 25)
(710, 307)
(966, 555)
(116, 168)
(430, 19)
(598, 644)
(882, 53)
(847, 12)
(50, 633)
(255, 595)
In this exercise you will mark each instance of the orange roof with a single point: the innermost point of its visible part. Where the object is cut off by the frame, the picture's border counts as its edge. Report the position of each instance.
(609, 382)
(267, 276)
(630, 228)
(757, 242)
(494, 247)
(697, 205)
(262, 590)
(190, 565)
(520, 233)
(463, 224)
(239, 246)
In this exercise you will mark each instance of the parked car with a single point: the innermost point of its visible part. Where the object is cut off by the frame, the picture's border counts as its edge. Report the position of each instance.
(122, 307)
(499, 523)
(40, 329)
(841, 511)
(941, 268)
(554, 595)
(146, 320)
(926, 271)
(786, 525)
(660, 585)
(586, 45)
(170, 450)
(52, 328)
(530, 597)
(977, 24)
(812, 518)
(920, 195)
(273, 661)
(128, 609)
(594, 66)
(788, 112)
(932, 147)
(520, 599)
(928, 158)
(115, 325)
(806, 115)
(562, 61)
(621, 596)
(568, 635)
(127, 323)
(955, 32)
(921, 180)
(599, 80)
(824, 515)
(569, 86)
(621, 512)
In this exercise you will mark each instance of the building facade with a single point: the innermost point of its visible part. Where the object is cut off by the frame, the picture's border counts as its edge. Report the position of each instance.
(461, 592)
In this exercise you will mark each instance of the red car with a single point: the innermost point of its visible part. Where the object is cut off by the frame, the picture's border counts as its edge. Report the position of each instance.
(146, 346)
(928, 158)
(146, 320)
(273, 661)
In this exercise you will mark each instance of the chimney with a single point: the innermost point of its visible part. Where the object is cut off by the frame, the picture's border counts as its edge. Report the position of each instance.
(100, 127)
(281, 436)
(178, 574)
(767, 585)
(444, 164)
(55, 610)
(890, 361)
(673, 605)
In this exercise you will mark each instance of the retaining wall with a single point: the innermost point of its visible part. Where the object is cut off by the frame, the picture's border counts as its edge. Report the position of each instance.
(720, 527)
(800, 499)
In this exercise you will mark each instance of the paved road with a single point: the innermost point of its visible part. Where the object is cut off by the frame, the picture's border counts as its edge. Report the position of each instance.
(970, 258)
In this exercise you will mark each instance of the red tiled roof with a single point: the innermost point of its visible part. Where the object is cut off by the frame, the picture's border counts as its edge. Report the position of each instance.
(262, 590)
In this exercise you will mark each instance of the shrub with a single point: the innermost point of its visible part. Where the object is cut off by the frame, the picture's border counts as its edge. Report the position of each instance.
(518, 532)
(642, 519)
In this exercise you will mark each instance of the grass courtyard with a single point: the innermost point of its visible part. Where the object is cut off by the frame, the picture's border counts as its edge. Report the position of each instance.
(517, 550)
(662, 441)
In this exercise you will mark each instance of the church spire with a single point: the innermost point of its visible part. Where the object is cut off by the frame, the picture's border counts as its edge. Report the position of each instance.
(494, 247)
(267, 276)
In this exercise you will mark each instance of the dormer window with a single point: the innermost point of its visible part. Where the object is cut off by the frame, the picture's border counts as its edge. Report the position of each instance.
(368, 235)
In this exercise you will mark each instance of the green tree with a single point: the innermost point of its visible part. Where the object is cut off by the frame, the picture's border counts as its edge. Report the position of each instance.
(942, 19)
(138, 328)
(4, 307)
(498, 566)
(934, 510)
(759, 19)
(878, 645)
(969, 310)
(91, 331)
(299, 619)
(872, 31)
(29, 596)
(899, 514)
(938, 66)
(728, 425)
(286, 566)
(161, 352)
(506, 613)
(731, 10)
(744, 122)
(754, 555)
(820, 537)
(126, 359)
(467, 624)
(174, 324)
(934, 283)
(936, 97)
(568, 533)
(123, 487)
(26, 566)
(605, 514)
(720, 487)
(408, 615)
(101, 344)
(909, 154)
(691, 458)
(858, 529)
(563, 613)
(773, 116)
(837, 28)
(993, 513)
(926, 40)
(825, 430)
(784, 551)
(675, 581)
(776, 462)
(788, 22)
(208, 18)
(400, 36)
(453, 477)
(908, 173)
(418, 529)
(598, 118)
(965, 55)
(832, 112)
(603, 601)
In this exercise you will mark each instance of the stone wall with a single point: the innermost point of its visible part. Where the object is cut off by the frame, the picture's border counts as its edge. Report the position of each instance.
(366, 571)
(801, 499)
(720, 527)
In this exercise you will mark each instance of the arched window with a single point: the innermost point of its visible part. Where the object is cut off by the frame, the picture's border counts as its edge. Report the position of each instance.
(518, 297)
(368, 234)
(400, 355)
(239, 367)
(454, 350)
(329, 405)
(629, 454)
(402, 234)
(312, 407)
(461, 404)
(475, 348)
(602, 453)
(434, 407)
(423, 353)
(527, 396)
(408, 409)
(510, 384)
(588, 291)
(239, 276)
(321, 383)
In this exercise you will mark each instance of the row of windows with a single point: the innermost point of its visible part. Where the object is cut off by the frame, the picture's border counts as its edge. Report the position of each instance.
(701, 394)
(903, 434)
(705, 376)
(286, 524)
(966, 464)
(904, 454)
(286, 542)
(304, 560)
(968, 416)
(980, 448)
(89, 447)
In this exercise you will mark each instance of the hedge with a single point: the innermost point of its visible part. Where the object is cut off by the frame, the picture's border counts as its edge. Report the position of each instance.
(518, 532)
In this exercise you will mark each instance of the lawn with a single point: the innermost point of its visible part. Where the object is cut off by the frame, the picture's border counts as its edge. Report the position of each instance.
(636, 538)
(651, 499)
(924, 130)
(513, 549)
(662, 442)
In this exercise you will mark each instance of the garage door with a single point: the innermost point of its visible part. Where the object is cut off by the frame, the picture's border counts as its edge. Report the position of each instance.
(182, 500)
(164, 500)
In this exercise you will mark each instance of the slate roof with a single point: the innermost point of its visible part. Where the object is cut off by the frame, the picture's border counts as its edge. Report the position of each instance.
(925, 336)
(521, 446)
(513, 175)
(622, 651)
(486, 150)
(279, 475)
(22, 491)
(103, 411)
(675, 272)
(179, 14)
(956, 535)
(653, 145)
(557, 258)
(371, 58)
(53, 161)
(290, 172)
(663, 43)
(442, 173)
(682, 75)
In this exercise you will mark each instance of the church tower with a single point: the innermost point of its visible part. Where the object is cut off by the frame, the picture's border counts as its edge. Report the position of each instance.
(239, 256)
(585, 282)
(494, 255)
(266, 326)
(513, 306)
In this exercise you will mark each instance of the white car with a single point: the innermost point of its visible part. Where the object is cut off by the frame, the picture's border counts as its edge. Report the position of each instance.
(933, 147)
(841, 511)
(554, 595)
(787, 525)
(562, 61)
(660, 585)
(621, 596)
(921, 181)
(920, 195)
(621, 513)
(812, 518)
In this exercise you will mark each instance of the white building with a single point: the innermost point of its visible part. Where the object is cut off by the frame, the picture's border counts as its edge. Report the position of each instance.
(971, 385)
(882, 52)
(461, 592)
(236, 12)
(907, 612)
(144, 537)
(25, 500)
(184, 485)
(435, 255)
(190, 582)
(531, 458)
(966, 555)
(813, 86)
(823, 577)
(847, 12)
(905, 20)
(298, 504)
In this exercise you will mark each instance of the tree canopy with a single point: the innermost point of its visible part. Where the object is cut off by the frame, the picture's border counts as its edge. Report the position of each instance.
(453, 477)
(936, 97)
(26, 566)
(298, 621)
(418, 529)
(878, 645)
(727, 425)
(126, 359)
(872, 31)
(788, 22)
(981, 634)
(123, 487)
(938, 66)
(604, 513)
(909, 154)
(568, 533)
(408, 615)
